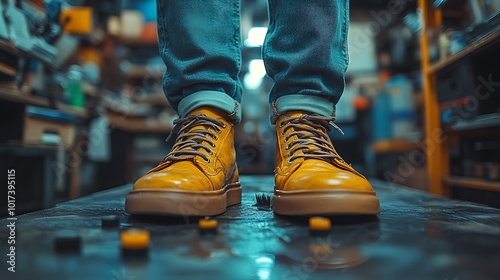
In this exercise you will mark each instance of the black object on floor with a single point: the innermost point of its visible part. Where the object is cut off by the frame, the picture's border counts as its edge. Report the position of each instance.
(417, 236)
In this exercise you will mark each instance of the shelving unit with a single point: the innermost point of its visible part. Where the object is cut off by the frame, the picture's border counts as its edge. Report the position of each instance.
(140, 71)
(438, 158)
(471, 183)
(153, 99)
(394, 146)
(15, 95)
(135, 42)
(477, 46)
(52, 155)
(7, 70)
(136, 124)
(142, 79)
(479, 122)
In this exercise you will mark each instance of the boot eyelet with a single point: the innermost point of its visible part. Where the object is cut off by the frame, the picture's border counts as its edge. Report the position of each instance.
(223, 125)
(290, 161)
(281, 124)
(215, 137)
(207, 160)
(210, 152)
(287, 147)
(212, 144)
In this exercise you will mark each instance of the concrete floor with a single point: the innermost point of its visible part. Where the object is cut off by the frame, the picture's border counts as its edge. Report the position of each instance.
(417, 236)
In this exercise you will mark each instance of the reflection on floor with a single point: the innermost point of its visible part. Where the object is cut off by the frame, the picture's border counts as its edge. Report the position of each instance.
(417, 236)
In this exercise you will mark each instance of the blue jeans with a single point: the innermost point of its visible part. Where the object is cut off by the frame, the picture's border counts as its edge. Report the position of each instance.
(305, 54)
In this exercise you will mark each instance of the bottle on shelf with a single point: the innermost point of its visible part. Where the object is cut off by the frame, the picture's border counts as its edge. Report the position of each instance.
(74, 89)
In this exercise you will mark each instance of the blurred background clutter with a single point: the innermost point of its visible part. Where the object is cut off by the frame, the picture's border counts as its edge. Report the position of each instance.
(82, 107)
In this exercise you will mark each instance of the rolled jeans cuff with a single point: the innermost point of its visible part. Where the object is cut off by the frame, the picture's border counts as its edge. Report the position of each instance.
(217, 99)
(299, 102)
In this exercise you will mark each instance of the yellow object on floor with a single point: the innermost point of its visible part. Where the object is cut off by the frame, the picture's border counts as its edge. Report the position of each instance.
(319, 223)
(207, 224)
(135, 239)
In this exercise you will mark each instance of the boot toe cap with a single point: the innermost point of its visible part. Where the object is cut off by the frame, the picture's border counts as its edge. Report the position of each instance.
(327, 180)
(173, 181)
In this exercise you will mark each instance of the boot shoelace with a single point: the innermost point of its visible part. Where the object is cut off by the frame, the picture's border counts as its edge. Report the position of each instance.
(189, 143)
(310, 131)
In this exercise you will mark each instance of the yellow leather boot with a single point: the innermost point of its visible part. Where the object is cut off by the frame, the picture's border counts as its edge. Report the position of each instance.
(198, 177)
(311, 177)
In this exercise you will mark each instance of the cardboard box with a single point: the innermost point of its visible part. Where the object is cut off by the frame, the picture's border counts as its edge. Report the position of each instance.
(36, 131)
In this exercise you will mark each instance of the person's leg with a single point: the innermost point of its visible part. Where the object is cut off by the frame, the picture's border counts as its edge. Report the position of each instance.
(200, 44)
(305, 53)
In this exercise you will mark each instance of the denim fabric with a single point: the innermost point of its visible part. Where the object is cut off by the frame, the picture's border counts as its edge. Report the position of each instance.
(305, 53)
(200, 43)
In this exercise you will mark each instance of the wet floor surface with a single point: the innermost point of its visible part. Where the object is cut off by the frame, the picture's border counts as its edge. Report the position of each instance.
(416, 236)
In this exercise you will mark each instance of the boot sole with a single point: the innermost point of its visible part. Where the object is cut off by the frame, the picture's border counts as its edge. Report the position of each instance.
(182, 203)
(304, 203)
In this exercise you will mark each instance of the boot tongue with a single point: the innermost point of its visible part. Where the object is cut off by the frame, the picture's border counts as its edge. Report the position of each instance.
(297, 114)
(209, 112)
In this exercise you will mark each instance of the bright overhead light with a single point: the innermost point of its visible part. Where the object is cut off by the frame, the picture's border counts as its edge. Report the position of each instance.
(256, 36)
(256, 72)
(257, 68)
(251, 81)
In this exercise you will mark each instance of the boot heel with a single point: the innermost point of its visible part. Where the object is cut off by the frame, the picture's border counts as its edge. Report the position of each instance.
(233, 194)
